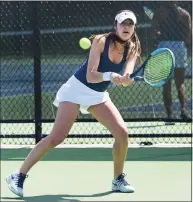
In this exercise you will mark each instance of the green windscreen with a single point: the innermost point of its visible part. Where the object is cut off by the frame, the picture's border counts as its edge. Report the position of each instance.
(158, 67)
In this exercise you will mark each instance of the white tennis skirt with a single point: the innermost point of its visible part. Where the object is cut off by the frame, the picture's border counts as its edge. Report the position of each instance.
(76, 92)
(180, 52)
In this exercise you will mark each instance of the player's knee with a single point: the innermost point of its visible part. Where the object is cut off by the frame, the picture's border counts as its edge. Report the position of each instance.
(122, 135)
(56, 139)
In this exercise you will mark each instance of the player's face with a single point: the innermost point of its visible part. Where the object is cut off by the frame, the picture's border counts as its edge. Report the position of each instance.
(125, 29)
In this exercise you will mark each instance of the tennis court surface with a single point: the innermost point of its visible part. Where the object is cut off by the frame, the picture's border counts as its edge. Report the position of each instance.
(81, 169)
(83, 173)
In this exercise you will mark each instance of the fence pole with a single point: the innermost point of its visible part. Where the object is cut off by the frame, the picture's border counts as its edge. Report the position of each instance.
(37, 75)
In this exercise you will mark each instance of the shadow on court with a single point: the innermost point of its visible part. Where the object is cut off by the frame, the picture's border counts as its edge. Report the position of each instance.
(102, 154)
(57, 197)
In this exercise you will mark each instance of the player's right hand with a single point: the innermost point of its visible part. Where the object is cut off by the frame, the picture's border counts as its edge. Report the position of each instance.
(116, 78)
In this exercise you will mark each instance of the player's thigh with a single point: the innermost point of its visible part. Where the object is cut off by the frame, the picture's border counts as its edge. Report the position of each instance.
(65, 117)
(108, 115)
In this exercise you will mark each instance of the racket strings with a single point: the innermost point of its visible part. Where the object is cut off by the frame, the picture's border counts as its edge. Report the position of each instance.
(158, 68)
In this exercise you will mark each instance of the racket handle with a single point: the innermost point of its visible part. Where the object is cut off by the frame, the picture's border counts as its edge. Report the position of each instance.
(138, 78)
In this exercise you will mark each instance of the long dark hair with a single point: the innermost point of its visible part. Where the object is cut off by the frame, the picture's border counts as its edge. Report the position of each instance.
(135, 50)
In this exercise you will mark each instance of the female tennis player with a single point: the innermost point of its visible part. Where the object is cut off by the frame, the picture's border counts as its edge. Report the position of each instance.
(86, 91)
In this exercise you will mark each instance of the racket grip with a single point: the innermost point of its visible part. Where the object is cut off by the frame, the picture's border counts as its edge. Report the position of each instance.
(138, 78)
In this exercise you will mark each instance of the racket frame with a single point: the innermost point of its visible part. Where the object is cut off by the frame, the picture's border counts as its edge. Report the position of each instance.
(142, 68)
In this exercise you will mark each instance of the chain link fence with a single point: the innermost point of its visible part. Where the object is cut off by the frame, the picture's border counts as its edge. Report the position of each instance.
(40, 51)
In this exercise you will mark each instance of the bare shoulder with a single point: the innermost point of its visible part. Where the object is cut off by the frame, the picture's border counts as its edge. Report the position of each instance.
(100, 38)
(99, 41)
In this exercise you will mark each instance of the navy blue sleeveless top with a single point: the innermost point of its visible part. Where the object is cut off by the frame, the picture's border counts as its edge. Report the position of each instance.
(105, 65)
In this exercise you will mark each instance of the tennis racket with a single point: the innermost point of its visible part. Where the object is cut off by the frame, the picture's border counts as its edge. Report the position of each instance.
(157, 68)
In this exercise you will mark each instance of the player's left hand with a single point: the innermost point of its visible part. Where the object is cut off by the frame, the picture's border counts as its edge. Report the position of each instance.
(126, 80)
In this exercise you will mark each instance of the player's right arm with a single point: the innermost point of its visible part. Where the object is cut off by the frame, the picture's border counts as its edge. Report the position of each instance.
(93, 75)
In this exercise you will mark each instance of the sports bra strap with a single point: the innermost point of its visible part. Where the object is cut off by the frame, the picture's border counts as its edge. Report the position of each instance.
(107, 43)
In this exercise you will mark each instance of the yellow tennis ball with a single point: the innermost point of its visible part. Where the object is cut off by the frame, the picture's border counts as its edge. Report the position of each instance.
(84, 43)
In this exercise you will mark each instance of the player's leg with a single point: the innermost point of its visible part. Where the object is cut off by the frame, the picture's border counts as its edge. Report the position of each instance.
(167, 97)
(66, 115)
(107, 114)
(179, 80)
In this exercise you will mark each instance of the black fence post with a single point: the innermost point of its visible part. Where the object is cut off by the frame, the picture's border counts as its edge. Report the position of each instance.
(37, 75)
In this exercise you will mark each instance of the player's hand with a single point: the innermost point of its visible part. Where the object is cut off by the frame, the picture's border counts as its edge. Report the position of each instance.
(116, 78)
(126, 80)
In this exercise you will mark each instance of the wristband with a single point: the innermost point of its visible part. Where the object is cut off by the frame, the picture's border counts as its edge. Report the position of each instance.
(107, 76)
